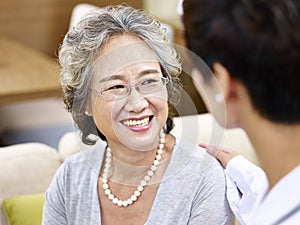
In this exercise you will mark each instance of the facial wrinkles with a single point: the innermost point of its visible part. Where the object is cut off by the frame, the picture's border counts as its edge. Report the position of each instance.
(116, 60)
(108, 63)
(134, 73)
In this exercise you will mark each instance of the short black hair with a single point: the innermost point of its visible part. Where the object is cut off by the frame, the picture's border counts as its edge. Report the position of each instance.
(258, 41)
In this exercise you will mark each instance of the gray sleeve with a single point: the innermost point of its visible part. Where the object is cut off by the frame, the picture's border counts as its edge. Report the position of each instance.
(54, 207)
(210, 205)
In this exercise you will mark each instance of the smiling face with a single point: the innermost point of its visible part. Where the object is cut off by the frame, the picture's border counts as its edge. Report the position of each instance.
(130, 102)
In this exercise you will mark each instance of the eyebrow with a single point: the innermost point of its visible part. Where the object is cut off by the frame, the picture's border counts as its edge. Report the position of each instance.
(121, 77)
(112, 77)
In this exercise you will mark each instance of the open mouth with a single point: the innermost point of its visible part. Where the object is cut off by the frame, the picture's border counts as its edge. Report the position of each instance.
(137, 122)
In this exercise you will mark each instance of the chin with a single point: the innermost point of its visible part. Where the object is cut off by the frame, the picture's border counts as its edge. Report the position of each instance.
(141, 144)
(139, 141)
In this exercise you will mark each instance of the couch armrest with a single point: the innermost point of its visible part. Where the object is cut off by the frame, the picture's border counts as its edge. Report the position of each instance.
(200, 128)
(26, 169)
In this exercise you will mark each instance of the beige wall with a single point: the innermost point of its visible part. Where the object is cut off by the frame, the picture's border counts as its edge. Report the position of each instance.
(41, 24)
(164, 9)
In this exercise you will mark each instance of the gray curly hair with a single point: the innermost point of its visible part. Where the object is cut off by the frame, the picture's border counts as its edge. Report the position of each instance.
(82, 43)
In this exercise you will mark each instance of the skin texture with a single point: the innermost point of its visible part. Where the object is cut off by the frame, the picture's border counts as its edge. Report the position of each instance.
(108, 115)
(133, 145)
(223, 155)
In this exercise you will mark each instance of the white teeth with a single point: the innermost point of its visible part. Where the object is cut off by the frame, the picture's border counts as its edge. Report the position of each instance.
(142, 122)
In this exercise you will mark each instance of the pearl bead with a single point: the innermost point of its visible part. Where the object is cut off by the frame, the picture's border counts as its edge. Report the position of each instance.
(133, 198)
(140, 188)
(111, 196)
(153, 168)
(129, 201)
(120, 203)
(143, 183)
(147, 178)
(150, 173)
(104, 180)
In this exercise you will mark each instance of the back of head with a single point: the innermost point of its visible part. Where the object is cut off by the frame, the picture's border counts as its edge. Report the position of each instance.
(258, 42)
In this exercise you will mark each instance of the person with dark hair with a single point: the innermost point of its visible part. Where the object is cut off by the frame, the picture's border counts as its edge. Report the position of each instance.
(253, 49)
(118, 75)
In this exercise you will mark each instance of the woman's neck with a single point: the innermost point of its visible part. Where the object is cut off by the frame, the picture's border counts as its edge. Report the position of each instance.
(130, 166)
(132, 157)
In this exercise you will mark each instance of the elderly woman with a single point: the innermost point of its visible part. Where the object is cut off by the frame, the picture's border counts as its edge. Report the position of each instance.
(118, 76)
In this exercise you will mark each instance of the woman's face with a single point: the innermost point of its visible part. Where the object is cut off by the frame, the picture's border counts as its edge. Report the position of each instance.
(125, 115)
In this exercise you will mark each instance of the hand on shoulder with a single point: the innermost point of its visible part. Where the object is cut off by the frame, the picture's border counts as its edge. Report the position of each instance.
(222, 155)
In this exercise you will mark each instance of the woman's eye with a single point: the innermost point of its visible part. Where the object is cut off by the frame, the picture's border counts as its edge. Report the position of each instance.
(150, 81)
(118, 86)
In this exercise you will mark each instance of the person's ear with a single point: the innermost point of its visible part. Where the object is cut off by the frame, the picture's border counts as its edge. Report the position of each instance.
(230, 90)
(211, 94)
(223, 77)
(88, 108)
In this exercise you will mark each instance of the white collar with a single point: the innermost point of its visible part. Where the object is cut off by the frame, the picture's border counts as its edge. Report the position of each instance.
(283, 198)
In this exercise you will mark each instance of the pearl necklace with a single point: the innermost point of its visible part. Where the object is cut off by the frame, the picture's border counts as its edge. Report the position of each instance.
(143, 183)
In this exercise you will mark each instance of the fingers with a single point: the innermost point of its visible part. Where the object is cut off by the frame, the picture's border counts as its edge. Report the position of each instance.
(224, 156)
(203, 145)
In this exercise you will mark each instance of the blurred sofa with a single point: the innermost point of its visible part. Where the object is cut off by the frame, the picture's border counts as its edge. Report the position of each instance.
(27, 169)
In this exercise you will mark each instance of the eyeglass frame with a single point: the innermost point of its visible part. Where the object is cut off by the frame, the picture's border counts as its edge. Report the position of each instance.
(136, 85)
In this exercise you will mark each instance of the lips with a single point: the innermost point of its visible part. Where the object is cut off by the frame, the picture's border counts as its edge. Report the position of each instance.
(137, 122)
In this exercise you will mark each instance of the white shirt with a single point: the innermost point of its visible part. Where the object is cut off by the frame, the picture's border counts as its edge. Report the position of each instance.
(249, 199)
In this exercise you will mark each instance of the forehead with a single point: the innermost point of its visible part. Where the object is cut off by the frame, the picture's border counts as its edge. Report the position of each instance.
(121, 52)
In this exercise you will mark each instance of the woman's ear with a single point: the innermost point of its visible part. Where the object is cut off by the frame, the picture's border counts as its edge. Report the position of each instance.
(88, 108)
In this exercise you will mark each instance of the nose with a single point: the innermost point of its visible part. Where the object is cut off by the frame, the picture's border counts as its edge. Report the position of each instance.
(136, 102)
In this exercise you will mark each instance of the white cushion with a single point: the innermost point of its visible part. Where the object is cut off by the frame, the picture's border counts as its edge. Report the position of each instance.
(201, 128)
(25, 169)
(79, 11)
(204, 129)
(68, 144)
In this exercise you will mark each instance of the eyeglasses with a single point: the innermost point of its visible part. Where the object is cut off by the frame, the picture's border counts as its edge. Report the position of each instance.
(119, 91)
